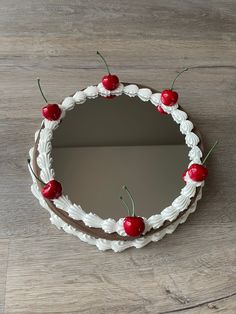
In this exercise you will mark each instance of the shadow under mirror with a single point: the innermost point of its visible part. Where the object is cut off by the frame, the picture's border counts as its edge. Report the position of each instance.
(104, 144)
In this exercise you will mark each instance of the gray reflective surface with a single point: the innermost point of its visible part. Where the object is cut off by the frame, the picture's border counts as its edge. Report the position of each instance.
(106, 143)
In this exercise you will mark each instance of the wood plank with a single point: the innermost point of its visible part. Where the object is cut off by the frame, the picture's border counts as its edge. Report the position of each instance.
(4, 244)
(120, 19)
(225, 304)
(60, 274)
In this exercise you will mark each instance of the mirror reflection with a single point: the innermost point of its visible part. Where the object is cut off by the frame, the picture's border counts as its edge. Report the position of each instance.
(104, 144)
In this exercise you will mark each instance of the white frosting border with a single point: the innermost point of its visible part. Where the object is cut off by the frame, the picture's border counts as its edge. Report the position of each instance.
(170, 213)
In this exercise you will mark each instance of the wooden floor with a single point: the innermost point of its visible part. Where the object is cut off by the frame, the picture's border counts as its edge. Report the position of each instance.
(43, 270)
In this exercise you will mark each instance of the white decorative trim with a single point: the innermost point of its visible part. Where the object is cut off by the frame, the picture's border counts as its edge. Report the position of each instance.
(180, 204)
(103, 244)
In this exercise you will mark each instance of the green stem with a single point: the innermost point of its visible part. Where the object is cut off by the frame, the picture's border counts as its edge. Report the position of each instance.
(172, 86)
(210, 151)
(131, 198)
(108, 70)
(125, 205)
(31, 169)
(38, 80)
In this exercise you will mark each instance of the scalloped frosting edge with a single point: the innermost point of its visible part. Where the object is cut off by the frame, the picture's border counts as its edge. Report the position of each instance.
(109, 225)
(103, 244)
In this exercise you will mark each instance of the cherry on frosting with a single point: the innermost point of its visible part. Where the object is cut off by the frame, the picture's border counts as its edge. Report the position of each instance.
(50, 190)
(133, 225)
(169, 97)
(110, 81)
(197, 172)
(50, 112)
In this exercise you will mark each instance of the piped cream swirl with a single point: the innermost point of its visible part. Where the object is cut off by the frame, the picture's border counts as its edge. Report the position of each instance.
(91, 91)
(144, 94)
(179, 115)
(189, 190)
(195, 153)
(131, 90)
(186, 126)
(79, 97)
(191, 139)
(181, 202)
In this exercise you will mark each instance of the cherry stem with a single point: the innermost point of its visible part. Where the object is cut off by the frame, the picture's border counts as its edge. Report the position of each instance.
(39, 85)
(125, 205)
(184, 70)
(210, 151)
(108, 70)
(131, 198)
(31, 169)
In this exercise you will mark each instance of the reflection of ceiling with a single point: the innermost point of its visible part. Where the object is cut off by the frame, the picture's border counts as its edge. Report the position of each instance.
(116, 122)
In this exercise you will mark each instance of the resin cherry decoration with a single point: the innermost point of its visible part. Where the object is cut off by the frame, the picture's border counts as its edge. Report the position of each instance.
(50, 112)
(50, 190)
(133, 225)
(197, 172)
(110, 81)
(169, 97)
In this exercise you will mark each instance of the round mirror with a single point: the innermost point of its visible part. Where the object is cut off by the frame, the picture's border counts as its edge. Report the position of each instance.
(106, 143)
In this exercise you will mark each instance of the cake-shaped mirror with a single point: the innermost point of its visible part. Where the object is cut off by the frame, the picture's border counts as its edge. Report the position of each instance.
(116, 164)
(107, 143)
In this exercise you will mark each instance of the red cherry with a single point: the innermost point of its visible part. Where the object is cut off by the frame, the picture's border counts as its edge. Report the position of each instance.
(160, 110)
(183, 175)
(51, 112)
(110, 82)
(134, 226)
(52, 190)
(197, 172)
(169, 97)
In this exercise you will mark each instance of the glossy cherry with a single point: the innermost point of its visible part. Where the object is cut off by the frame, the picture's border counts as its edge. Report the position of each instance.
(110, 81)
(198, 172)
(160, 110)
(52, 190)
(50, 112)
(133, 226)
(169, 97)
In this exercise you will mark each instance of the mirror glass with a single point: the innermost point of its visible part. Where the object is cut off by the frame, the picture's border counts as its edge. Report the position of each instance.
(104, 144)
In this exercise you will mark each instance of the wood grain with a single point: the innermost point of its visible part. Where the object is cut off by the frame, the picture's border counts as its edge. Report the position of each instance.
(4, 249)
(45, 271)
